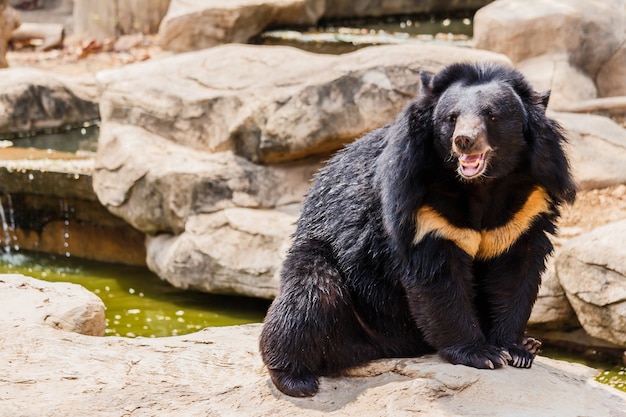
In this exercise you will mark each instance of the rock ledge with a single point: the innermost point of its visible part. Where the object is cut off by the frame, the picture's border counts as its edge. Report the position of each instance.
(218, 372)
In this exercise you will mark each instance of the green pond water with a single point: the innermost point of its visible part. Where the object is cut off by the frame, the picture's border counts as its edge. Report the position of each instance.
(137, 302)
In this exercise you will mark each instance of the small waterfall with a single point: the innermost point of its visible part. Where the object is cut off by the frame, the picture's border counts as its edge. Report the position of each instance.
(7, 217)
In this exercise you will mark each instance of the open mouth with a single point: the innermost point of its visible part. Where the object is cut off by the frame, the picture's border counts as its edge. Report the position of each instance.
(472, 166)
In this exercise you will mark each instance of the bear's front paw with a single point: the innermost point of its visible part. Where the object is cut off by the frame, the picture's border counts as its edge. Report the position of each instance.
(522, 355)
(481, 356)
(303, 385)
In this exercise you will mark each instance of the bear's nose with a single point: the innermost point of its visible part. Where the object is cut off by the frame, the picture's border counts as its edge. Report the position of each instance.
(464, 142)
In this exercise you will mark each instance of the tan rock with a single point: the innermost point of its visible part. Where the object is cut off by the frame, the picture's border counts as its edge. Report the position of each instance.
(589, 32)
(156, 185)
(233, 251)
(596, 149)
(271, 104)
(105, 19)
(198, 24)
(60, 305)
(592, 270)
(554, 72)
(218, 372)
(9, 21)
(552, 308)
(611, 78)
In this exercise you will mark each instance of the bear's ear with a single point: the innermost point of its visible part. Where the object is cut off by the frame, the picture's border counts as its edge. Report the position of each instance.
(426, 79)
(545, 98)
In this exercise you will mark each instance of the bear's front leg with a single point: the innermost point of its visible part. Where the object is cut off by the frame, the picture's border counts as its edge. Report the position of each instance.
(440, 290)
(506, 291)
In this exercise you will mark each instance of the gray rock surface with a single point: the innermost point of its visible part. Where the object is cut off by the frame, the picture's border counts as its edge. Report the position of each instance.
(552, 309)
(32, 99)
(60, 305)
(592, 270)
(567, 83)
(218, 372)
(596, 149)
(9, 21)
(197, 24)
(271, 104)
(582, 42)
(157, 185)
(232, 251)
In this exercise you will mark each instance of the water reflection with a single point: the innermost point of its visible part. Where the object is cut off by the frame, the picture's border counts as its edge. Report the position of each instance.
(71, 139)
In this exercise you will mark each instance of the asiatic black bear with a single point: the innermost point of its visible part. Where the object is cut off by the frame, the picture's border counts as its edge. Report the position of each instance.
(428, 234)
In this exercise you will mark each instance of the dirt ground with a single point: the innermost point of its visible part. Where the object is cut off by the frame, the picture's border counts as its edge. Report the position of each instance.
(592, 208)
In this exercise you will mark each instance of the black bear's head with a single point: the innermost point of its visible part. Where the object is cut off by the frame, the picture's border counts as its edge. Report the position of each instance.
(480, 118)
(487, 120)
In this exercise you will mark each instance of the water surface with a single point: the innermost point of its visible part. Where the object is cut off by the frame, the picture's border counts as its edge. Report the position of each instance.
(137, 302)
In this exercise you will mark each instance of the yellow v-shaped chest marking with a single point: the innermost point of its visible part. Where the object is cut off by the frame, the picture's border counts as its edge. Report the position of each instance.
(484, 244)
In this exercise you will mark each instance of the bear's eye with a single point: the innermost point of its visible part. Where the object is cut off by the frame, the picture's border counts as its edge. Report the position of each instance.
(452, 118)
(491, 116)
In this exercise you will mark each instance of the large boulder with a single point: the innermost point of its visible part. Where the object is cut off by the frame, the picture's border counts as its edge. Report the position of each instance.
(156, 185)
(60, 305)
(271, 104)
(596, 149)
(218, 372)
(234, 251)
(9, 21)
(568, 84)
(552, 309)
(592, 271)
(108, 19)
(581, 42)
(197, 24)
(33, 99)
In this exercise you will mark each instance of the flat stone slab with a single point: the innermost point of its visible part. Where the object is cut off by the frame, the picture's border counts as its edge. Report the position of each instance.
(218, 372)
(271, 104)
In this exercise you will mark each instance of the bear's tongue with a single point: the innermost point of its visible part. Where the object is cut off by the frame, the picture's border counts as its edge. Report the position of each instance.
(471, 165)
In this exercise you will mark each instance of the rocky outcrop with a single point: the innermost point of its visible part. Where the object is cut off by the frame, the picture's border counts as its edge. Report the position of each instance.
(9, 21)
(596, 149)
(60, 305)
(552, 309)
(592, 270)
(232, 251)
(34, 100)
(576, 48)
(197, 24)
(218, 372)
(202, 136)
(105, 19)
(271, 104)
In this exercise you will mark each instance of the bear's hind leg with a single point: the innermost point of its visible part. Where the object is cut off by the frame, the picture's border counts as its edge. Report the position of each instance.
(310, 329)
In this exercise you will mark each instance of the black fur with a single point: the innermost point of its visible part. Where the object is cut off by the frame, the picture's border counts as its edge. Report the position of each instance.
(358, 284)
